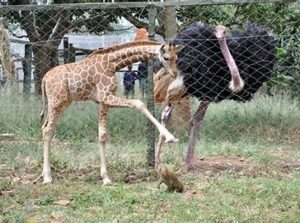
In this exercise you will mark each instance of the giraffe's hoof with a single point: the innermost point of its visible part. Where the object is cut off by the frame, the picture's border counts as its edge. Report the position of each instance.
(171, 139)
(47, 180)
(37, 179)
(107, 182)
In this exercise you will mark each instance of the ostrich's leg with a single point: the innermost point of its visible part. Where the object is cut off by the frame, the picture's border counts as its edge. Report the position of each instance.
(196, 124)
(165, 118)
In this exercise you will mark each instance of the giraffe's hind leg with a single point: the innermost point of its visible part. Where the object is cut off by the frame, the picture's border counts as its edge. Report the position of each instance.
(48, 130)
(103, 137)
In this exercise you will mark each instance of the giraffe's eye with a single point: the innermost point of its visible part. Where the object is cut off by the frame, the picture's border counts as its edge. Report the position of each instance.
(166, 57)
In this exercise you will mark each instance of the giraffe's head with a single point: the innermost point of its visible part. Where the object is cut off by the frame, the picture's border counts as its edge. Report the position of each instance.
(168, 56)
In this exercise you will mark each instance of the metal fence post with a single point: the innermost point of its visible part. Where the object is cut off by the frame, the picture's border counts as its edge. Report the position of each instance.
(150, 100)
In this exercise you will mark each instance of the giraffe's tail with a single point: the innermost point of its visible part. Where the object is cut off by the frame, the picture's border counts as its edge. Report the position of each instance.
(43, 101)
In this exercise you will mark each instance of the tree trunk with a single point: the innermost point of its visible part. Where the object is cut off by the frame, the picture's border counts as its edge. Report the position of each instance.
(54, 58)
(170, 22)
(42, 63)
(27, 69)
(6, 57)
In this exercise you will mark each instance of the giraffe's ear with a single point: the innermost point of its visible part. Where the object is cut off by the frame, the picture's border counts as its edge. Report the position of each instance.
(162, 49)
(178, 48)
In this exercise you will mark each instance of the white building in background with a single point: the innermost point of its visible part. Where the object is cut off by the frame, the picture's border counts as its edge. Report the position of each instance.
(83, 41)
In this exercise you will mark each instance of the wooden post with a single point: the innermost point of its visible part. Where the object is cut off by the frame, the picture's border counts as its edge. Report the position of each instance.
(27, 69)
(72, 52)
(150, 100)
(66, 49)
(69, 51)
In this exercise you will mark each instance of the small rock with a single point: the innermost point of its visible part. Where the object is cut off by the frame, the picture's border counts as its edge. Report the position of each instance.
(242, 159)
(8, 193)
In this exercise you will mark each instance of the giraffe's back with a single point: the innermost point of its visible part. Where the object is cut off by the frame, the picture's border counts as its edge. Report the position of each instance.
(83, 80)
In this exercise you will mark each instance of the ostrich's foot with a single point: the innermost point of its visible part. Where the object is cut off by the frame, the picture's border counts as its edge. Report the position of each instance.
(191, 164)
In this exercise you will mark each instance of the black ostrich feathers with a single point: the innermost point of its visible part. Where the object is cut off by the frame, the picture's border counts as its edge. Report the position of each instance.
(206, 74)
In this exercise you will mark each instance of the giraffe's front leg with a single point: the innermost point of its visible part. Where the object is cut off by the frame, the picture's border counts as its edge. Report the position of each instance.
(161, 128)
(47, 179)
(103, 141)
(165, 117)
(112, 100)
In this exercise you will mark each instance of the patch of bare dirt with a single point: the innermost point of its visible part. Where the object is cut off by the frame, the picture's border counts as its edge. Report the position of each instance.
(141, 175)
(294, 138)
(208, 166)
(219, 163)
(289, 165)
(212, 165)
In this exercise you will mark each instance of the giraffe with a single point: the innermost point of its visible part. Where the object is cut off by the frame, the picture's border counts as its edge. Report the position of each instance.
(141, 35)
(93, 78)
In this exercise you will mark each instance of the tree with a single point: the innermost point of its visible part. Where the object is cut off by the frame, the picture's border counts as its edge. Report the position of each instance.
(46, 28)
(5, 56)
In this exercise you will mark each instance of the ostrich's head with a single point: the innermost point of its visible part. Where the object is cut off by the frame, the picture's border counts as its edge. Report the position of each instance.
(220, 31)
(168, 56)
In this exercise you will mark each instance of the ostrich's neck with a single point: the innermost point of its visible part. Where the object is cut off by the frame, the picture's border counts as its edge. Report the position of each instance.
(235, 75)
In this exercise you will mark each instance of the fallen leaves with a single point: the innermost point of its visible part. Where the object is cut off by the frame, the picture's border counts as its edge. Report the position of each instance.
(3, 166)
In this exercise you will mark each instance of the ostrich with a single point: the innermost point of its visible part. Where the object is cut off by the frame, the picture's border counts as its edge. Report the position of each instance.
(211, 74)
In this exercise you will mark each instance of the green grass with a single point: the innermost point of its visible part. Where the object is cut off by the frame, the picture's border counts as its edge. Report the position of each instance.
(264, 118)
(263, 133)
(266, 193)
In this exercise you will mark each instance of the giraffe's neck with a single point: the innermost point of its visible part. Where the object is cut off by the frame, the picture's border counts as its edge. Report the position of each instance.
(127, 56)
(132, 59)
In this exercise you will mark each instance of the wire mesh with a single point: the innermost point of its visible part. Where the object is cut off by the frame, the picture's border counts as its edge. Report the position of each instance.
(263, 39)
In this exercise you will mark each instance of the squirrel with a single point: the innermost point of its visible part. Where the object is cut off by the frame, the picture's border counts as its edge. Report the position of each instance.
(169, 178)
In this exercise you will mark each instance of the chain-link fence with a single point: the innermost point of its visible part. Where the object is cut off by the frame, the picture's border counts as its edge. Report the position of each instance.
(263, 40)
